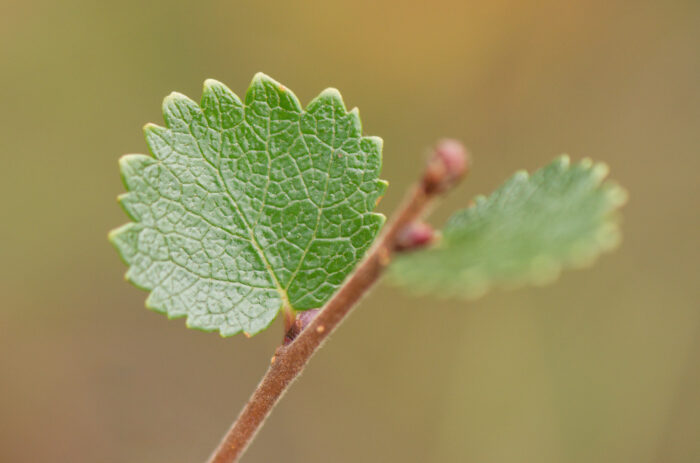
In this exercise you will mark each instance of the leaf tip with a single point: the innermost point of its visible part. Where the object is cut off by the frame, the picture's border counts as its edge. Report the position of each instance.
(126, 159)
(112, 236)
(177, 109)
(331, 92)
(174, 96)
(263, 86)
(261, 77)
(151, 128)
(212, 83)
(617, 195)
(124, 239)
(333, 96)
(213, 87)
(600, 170)
(521, 175)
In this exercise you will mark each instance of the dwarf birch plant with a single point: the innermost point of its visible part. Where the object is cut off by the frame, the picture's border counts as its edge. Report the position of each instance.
(246, 208)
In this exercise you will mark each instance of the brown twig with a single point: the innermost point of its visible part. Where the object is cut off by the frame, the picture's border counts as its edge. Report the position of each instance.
(444, 169)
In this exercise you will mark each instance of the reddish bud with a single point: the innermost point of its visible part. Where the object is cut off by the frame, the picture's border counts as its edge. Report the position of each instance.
(414, 235)
(303, 319)
(446, 167)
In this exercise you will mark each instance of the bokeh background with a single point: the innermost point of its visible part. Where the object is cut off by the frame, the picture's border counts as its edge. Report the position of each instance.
(603, 366)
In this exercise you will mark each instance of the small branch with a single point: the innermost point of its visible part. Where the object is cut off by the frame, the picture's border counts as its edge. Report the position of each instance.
(445, 168)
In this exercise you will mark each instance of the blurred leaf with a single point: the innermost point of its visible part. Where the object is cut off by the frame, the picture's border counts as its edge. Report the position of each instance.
(525, 232)
(248, 207)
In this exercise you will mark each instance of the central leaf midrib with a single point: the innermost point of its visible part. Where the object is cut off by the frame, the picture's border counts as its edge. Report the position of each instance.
(253, 240)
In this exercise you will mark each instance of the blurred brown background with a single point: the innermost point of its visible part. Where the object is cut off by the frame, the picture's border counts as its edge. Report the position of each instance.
(603, 366)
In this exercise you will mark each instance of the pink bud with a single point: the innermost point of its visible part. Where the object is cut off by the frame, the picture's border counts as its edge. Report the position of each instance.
(306, 317)
(448, 164)
(303, 319)
(414, 235)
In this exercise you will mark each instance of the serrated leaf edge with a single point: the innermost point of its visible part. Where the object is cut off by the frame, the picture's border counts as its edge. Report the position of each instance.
(209, 85)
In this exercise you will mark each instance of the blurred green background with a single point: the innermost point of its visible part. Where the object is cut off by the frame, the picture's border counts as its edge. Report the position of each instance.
(603, 366)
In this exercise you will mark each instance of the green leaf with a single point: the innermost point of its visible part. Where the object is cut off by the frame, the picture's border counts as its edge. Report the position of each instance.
(246, 207)
(528, 230)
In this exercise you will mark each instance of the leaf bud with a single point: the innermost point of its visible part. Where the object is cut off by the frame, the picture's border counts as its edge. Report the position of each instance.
(415, 235)
(302, 320)
(446, 167)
